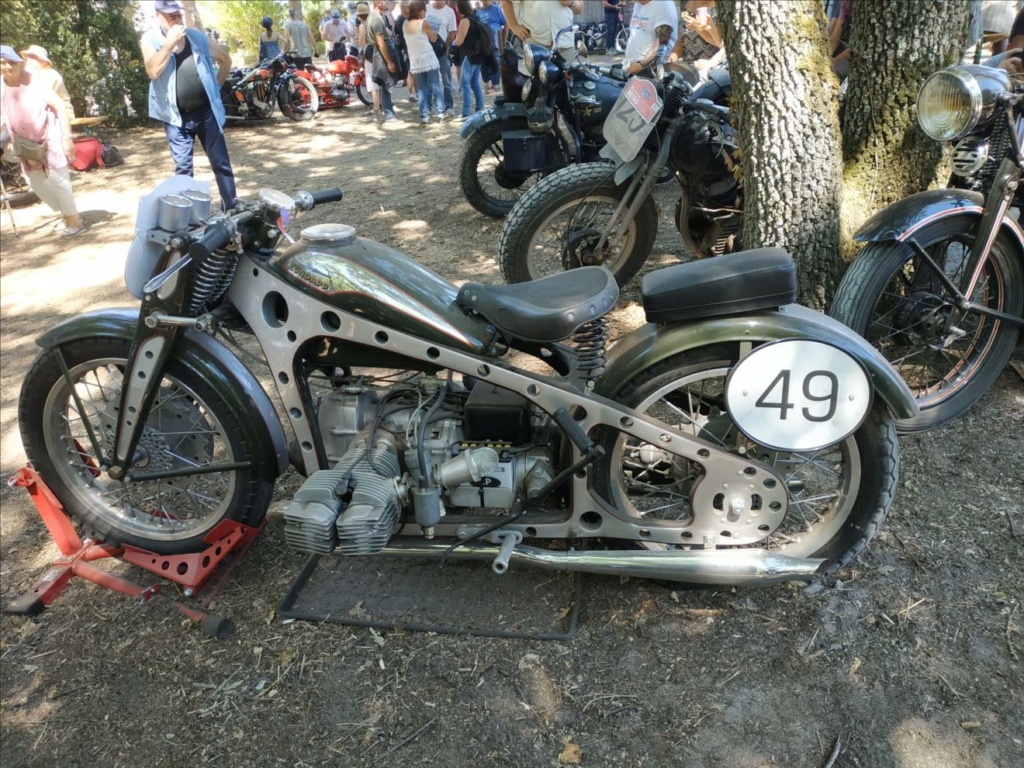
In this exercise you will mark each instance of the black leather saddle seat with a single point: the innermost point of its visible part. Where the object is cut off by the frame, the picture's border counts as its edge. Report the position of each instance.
(746, 281)
(545, 310)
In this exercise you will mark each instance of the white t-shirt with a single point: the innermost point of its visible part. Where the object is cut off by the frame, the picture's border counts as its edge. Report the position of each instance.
(646, 18)
(442, 21)
(334, 33)
(545, 18)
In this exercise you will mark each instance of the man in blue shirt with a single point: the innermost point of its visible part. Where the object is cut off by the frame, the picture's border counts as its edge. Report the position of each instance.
(184, 93)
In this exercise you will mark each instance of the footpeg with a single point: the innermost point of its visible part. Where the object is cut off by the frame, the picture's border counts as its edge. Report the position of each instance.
(509, 540)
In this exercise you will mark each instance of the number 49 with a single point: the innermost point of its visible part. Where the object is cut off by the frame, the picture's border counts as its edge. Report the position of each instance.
(782, 381)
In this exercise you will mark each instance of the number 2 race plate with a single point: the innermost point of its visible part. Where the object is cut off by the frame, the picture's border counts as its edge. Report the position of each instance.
(798, 395)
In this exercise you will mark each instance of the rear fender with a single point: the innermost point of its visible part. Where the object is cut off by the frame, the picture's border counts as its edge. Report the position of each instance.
(650, 344)
(206, 358)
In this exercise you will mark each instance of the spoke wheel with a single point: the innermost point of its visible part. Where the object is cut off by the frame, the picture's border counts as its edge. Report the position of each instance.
(837, 496)
(557, 226)
(187, 427)
(948, 358)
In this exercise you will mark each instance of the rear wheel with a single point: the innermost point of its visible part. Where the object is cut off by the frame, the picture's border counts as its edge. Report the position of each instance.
(558, 224)
(298, 99)
(364, 95)
(188, 427)
(837, 496)
(949, 358)
(622, 40)
(485, 182)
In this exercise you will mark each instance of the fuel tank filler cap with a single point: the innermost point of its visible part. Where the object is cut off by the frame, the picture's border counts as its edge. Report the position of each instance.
(330, 234)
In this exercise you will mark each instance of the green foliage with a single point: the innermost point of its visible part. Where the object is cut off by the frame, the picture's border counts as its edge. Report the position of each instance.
(239, 20)
(93, 44)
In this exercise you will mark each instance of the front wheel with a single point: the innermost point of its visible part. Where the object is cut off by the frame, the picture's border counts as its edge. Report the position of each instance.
(484, 181)
(558, 225)
(838, 496)
(949, 358)
(299, 100)
(188, 427)
(622, 40)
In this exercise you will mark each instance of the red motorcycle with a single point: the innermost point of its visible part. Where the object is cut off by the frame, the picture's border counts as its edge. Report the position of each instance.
(337, 81)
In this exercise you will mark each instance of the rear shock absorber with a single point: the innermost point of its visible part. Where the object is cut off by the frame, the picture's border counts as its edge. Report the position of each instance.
(590, 341)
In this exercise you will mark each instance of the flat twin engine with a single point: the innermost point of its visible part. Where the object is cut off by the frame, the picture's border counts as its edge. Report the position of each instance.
(481, 448)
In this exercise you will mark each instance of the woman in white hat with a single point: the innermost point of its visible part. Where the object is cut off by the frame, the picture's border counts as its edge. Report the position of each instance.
(37, 61)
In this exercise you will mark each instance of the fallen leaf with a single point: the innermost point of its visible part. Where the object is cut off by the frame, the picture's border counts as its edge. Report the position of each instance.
(571, 754)
(855, 666)
(287, 657)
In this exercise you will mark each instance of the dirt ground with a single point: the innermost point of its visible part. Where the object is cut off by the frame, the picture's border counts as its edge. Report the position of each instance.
(913, 659)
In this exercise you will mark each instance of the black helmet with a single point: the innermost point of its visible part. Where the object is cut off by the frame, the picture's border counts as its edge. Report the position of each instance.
(267, 22)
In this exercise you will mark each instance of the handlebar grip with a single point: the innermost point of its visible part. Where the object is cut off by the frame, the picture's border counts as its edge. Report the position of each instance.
(216, 236)
(331, 195)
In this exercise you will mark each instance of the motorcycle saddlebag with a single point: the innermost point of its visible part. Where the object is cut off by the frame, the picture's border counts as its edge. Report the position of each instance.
(525, 151)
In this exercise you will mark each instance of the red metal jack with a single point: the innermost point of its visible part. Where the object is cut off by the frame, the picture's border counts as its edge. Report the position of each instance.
(192, 571)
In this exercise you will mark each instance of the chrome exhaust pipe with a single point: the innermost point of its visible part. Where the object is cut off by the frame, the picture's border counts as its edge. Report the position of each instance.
(727, 567)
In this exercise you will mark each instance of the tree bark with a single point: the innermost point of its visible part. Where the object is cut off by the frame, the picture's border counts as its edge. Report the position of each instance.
(894, 46)
(192, 18)
(785, 99)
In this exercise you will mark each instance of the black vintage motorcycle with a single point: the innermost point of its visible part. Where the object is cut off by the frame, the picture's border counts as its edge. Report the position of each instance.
(539, 124)
(603, 213)
(737, 438)
(254, 94)
(939, 289)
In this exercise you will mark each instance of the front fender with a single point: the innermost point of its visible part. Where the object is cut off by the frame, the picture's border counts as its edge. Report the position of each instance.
(903, 218)
(505, 113)
(208, 359)
(649, 344)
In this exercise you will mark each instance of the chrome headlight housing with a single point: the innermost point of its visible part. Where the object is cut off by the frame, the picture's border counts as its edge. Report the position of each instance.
(533, 55)
(957, 100)
(547, 72)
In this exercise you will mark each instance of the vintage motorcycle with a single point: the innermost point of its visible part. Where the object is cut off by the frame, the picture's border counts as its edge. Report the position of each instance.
(939, 289)
(737, 438)
(603, 213)
(254, 94)
(538, 125)
(337, 81)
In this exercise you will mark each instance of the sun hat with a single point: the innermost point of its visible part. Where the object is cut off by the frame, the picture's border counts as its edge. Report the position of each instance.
(362, 9)
(7, 53)
(335, 14)
(169, 7)
(267, 22)
(37, 52)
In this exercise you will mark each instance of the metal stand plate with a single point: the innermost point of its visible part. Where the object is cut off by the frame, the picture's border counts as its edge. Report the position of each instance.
(416, 595)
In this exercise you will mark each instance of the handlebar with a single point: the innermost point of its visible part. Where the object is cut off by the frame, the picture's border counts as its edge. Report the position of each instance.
(332, 195)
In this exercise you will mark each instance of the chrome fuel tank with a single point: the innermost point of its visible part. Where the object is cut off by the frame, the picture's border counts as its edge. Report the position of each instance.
(381, 284)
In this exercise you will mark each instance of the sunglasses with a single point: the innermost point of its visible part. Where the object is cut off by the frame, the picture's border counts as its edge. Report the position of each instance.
(172, 16)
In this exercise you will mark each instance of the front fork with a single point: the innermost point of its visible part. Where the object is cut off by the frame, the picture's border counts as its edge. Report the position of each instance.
(639, 190)
(997, 204)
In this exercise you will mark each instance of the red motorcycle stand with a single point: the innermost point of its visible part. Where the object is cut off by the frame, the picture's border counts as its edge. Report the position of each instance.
(193, 571)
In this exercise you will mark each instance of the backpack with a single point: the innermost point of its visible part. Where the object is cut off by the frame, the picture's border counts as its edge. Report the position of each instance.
(483, 44)
(111, 156)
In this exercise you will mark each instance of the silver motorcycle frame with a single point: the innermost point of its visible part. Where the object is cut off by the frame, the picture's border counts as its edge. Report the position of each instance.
(589, 515)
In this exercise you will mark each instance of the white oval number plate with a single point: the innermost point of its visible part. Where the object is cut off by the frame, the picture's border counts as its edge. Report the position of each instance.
(798, 395)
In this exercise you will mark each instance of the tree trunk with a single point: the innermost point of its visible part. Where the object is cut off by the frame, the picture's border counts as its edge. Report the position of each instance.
(785, 97)
(894, 46)
(192, 18)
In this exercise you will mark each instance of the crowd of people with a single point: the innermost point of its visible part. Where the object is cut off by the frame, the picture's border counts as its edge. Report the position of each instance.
(438, 49)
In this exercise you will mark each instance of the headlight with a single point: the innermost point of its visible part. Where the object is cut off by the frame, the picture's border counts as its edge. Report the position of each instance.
(546, 71)
(956, 100)
(533, 55)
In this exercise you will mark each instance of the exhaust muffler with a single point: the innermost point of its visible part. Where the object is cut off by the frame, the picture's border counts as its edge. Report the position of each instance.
(726, 567)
